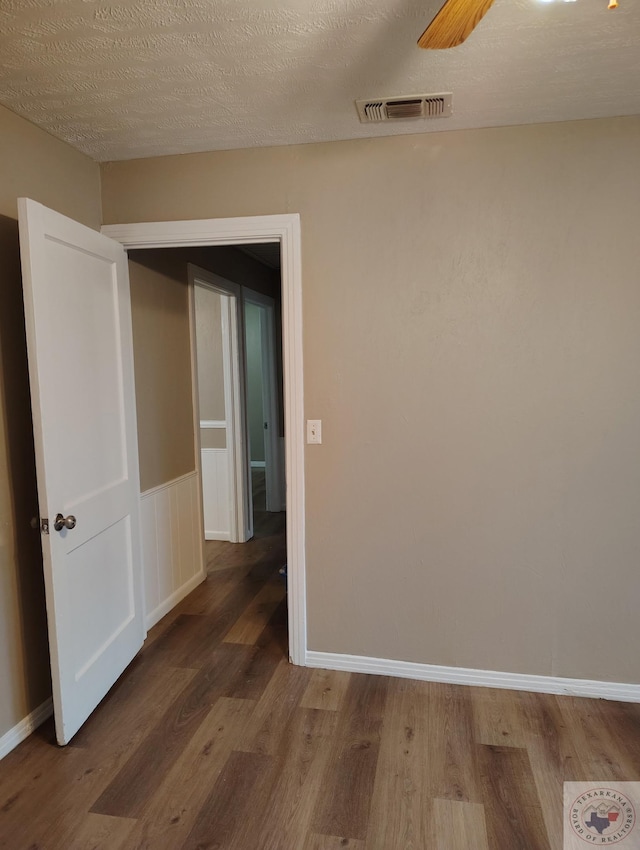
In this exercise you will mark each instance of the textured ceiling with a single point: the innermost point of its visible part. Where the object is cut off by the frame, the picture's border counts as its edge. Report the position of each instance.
(135, 78)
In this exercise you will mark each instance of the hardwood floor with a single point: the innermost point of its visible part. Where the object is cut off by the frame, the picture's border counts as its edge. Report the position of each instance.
(258, 489)
(211, 739)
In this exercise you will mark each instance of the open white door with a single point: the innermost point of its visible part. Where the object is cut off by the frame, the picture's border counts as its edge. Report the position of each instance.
(235, 497)
(78, 318)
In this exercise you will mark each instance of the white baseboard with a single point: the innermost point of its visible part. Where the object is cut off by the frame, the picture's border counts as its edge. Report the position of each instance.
(619, 691)
(258, 464)
(217, 535)
(27, 725)
(158, 613)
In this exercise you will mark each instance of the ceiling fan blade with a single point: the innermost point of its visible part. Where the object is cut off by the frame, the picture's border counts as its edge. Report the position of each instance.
(454, 23)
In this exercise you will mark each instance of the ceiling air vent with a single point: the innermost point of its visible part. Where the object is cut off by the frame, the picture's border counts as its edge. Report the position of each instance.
(404, 108)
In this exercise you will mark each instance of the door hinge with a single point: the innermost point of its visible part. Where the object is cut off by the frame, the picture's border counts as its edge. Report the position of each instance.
(44, 525)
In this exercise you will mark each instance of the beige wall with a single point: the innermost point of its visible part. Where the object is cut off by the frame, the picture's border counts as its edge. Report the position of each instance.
(209, 349)
(35, 165)
(208, 309)
(162, 359)
(472, 340)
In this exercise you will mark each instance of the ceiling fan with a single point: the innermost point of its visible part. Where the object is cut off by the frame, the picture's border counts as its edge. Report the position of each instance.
(456, 20)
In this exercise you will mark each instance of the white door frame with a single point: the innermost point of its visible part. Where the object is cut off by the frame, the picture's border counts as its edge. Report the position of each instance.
(284, 229)
(240, 525)
(273, 486)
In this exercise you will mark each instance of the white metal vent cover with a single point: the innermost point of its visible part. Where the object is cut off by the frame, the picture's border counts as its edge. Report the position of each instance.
(405, 108)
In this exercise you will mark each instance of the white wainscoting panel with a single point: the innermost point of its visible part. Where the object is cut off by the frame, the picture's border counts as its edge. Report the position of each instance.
(215, 494)
(172, 545)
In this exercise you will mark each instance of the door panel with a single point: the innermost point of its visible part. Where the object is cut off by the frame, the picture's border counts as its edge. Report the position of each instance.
(79, 344)
(95, 457)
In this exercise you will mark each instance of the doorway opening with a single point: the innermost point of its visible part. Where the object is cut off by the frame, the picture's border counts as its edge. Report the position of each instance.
(263, 392)
(238, 425)
(280, 233)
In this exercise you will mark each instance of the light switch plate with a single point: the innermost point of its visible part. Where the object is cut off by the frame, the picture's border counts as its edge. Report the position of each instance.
(314, 430)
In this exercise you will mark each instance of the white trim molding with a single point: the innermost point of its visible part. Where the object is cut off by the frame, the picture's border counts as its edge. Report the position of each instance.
(619, 691)
(284, 229)
(18, 733)
(159, 487)
(213, 423)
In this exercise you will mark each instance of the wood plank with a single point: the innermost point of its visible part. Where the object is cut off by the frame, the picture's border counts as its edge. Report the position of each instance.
(251, 623)
(401, 773)
(213, 563)
(190, 638)
(101, 832)
(261, 556)
(37, 794)
(210, 595)
(269, 651)
(453, 772)
(599, 753)
(144, 695)
(512, 808)
(275, 708)
(168, 646)
(281, 815)
(623, 722)
(498, 717)
(170, 814)
(159, 629)
(25, 764)
(326, 690)
(332, 842)
(229, 802)
(196, 649)
(68, 780)
(457, 826)
(552, 756)
(143, 773)
(343, 808)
